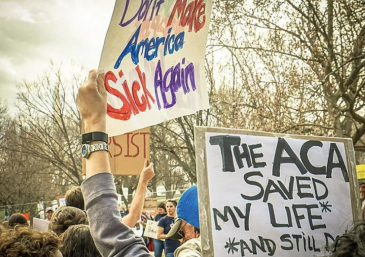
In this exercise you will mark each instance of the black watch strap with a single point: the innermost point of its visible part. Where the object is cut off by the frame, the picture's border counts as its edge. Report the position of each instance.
(94, 136)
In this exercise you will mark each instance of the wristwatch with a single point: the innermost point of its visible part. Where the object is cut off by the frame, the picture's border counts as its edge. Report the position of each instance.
(87, 149)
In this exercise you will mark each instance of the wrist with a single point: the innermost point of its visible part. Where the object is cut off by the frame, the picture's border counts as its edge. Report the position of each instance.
(94, 126)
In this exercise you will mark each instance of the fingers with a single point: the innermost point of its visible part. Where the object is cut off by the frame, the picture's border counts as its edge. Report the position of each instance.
(100, 84)
(93, 74)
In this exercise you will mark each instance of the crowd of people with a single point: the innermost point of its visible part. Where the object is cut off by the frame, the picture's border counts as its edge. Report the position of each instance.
(91, 223)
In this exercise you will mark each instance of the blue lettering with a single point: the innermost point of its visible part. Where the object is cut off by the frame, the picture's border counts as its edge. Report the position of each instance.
(149, 47)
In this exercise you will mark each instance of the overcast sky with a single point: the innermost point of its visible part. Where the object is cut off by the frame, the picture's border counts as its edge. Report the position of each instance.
(33, 32)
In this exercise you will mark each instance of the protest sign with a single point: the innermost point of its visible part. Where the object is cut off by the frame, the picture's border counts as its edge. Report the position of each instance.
(264, 194)
(127, 152)
(153, 59)
(151, 229)
(40, 224)
(150, 204)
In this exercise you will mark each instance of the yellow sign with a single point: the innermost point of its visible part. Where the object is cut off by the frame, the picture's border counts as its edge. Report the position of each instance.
(360, 170)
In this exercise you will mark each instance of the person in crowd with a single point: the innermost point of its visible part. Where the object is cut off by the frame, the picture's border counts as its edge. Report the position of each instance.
(5, 224)
(145, 216)
(17, 219)
(362, 199)
(74, 198)
(49, 213)
(123, 211)
(7, 217)
(66, 216)
(25, 241)
(157, 243)
(350, 244)
(164, 226)
(2, 227)
(112, 238)
(77, 242)
(187, 226)
(136, 207)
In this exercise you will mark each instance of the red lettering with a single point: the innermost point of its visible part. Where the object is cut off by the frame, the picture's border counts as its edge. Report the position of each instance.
(142, 78)
(130, 98)
(119, 146)
(128, 155)
(135, 145)
(123, 113)
(192, 15)
(132, 102)
(144, 142)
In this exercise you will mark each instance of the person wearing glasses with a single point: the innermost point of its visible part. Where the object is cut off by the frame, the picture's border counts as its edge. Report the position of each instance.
(164, 226)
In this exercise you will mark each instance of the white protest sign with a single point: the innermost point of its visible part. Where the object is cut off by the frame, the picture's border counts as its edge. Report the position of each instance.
(40, 224)
(262, 194)
(153, 59)
(151, 229)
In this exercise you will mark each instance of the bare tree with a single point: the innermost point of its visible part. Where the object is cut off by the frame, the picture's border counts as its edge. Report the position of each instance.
(49, 125)
(300, 65)
(22, 184)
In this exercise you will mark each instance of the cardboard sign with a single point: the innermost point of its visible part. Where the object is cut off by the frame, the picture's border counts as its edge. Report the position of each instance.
(264, 194)
(150, 204)
(128, 152)
(153, 59)
(151, 229)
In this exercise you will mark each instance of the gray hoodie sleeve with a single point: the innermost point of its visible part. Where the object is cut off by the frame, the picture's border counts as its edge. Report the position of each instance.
(111, 236)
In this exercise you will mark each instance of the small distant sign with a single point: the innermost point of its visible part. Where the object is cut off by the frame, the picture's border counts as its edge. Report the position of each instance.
(151, 229)
(150, 204)
(40, 224)
(61, 201)
(360, 170)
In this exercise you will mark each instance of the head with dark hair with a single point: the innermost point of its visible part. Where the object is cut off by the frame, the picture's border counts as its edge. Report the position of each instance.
(350, 244)
(77, 242)
(25, 241)
(161, 208)
(173, 201)
(66, 216)
(75, 198)
(17, 219)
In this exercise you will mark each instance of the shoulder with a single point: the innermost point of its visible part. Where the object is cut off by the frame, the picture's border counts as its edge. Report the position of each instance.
(162, 221)
(191, 248)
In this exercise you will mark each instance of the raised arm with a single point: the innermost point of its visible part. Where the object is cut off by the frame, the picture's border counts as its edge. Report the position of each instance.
(111, 236)
(138, 200)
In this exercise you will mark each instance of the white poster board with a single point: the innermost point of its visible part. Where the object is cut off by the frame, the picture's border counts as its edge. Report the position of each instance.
(153, 59)
(40, 224)
(151, 229)
(264, 194)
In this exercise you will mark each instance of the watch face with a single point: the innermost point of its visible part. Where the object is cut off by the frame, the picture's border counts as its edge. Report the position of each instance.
(84, 151)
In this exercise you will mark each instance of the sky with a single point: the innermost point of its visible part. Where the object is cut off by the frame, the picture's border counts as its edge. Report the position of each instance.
(35, 32)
